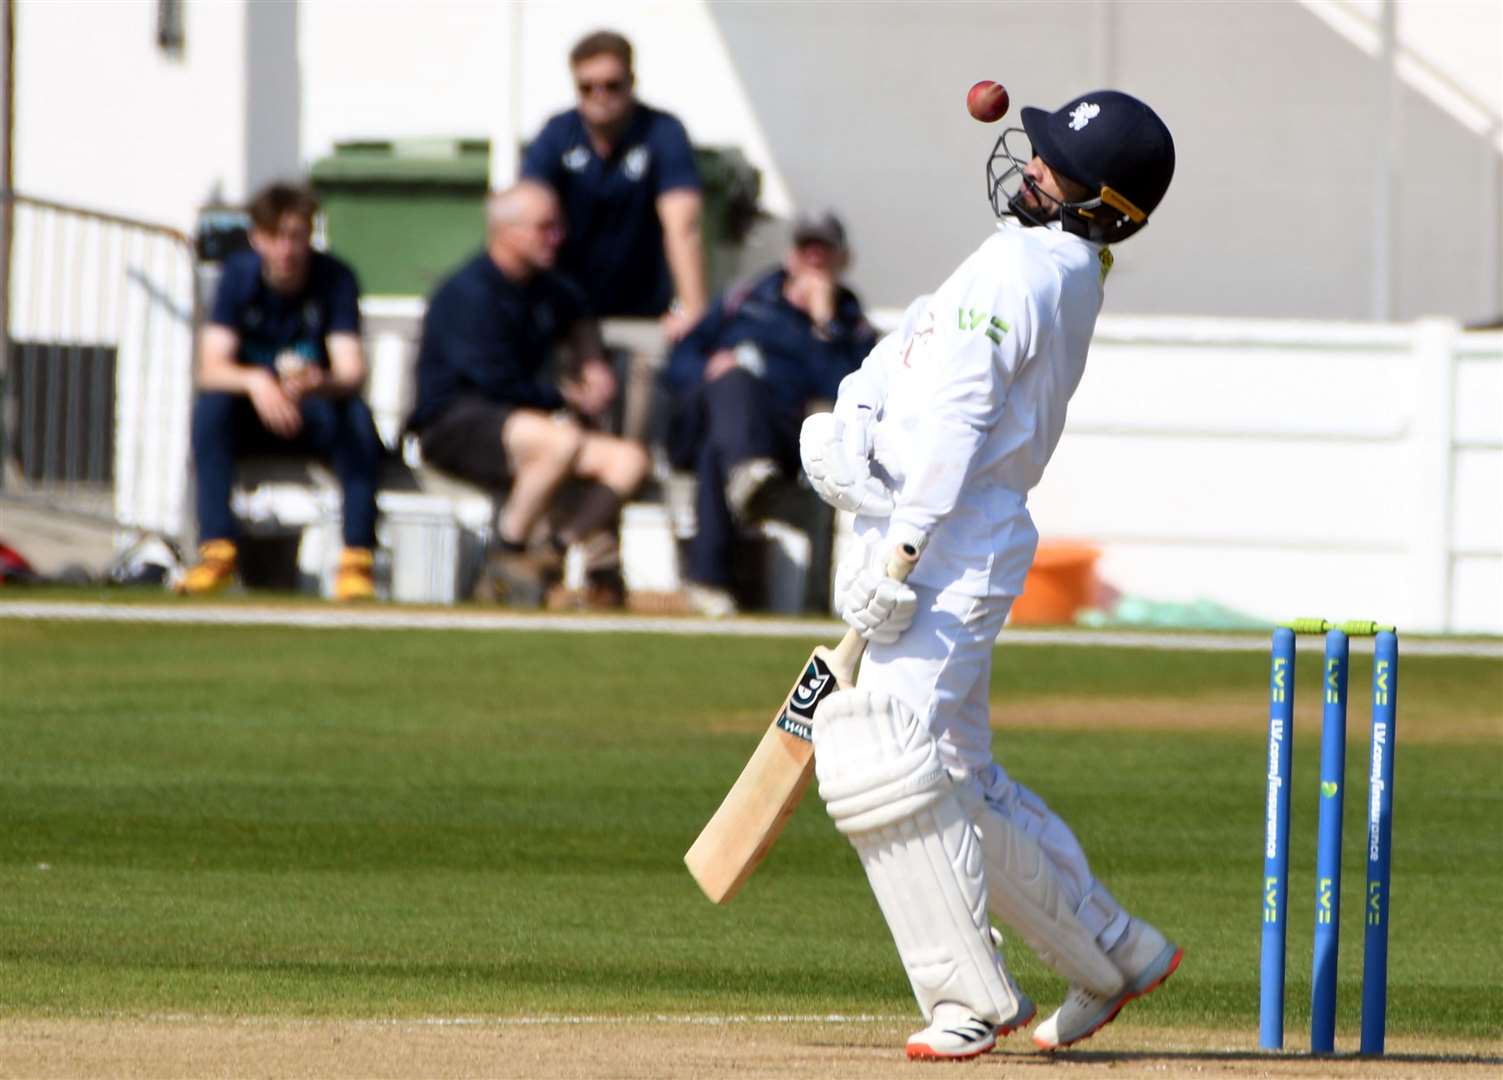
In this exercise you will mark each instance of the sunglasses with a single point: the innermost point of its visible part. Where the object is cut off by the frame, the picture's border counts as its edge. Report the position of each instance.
(605, 86)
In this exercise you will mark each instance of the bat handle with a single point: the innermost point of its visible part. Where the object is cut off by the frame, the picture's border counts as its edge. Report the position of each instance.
(848, 653)
(901, 564)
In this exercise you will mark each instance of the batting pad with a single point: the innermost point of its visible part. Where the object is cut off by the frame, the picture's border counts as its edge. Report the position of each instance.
(882, 783)
(1027, 894)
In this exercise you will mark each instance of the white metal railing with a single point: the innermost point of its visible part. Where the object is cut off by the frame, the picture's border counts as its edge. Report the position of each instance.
(97, 369)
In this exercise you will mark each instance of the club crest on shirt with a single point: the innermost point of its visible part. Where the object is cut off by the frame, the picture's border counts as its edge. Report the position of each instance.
(313, 316)
(576, 158)
(918, 338)
(634, 165)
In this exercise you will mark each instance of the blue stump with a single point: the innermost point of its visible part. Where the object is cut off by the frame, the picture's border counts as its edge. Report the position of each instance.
(1276, 842)
(1328, 847)
(1379, 842)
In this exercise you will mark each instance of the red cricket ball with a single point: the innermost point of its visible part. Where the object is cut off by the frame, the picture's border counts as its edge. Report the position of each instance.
(987, 101)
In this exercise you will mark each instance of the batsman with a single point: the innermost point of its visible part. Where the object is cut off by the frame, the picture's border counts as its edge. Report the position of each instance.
(935, 442)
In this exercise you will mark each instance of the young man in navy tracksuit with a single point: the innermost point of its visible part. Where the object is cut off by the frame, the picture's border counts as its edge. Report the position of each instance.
(280, 370)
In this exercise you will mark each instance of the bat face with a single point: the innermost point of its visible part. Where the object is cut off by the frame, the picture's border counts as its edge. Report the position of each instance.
(768, 790)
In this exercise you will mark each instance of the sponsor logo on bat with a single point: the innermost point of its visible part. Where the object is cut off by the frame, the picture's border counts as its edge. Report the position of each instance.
(797, 729)
(817, 683)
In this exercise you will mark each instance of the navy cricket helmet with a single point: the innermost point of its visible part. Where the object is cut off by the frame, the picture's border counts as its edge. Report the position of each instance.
(1108, 142)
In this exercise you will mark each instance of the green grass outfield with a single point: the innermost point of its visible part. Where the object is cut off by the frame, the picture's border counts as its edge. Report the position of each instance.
(292, 822)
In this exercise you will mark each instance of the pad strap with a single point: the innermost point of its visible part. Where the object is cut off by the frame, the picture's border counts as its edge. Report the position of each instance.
(1027, 894)
(882, 782)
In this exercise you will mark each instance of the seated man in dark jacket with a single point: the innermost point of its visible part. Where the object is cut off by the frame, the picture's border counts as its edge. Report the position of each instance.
(484, 414)
(741, 382)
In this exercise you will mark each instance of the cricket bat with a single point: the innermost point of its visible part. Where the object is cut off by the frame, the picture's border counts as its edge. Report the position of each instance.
(759, 804)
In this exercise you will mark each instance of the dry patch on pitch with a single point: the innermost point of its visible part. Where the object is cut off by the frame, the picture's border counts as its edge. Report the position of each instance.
(1229, 714)
(651, 1050)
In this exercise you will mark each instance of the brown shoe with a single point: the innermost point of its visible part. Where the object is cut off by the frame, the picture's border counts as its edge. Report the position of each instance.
(604, 591)
(518, 578)
(213, 572)
(354, 580)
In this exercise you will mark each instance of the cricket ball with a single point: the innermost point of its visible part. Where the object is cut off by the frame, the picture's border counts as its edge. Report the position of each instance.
(987, 101)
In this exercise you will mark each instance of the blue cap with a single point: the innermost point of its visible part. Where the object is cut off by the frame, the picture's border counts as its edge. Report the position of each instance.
(1107, 140)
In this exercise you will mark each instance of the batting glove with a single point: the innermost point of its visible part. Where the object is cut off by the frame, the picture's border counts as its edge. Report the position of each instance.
(878, 607)
(839, 474)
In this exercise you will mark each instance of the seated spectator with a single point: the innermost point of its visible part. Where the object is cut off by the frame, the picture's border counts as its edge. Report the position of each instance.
(741, 382)
(280, 371)
(484, 414)
(625, 173)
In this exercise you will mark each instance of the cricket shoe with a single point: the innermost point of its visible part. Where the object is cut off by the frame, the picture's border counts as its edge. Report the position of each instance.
(711, 601)
(751, 490)
(518, 578)
(1144, 956)
(956, 1033)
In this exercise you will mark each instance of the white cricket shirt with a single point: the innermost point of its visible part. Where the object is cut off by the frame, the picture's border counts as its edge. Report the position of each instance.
(970, 394)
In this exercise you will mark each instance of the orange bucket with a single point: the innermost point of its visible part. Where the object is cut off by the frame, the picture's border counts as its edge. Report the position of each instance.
(1059, 584)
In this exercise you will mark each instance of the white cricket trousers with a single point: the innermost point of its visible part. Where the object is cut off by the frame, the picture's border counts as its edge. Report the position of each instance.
(941, 669)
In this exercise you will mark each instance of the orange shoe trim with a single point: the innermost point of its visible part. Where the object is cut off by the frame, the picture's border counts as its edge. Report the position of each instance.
(1179, 955)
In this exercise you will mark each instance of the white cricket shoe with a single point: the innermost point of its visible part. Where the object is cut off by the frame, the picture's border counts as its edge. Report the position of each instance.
(957, 1033)
(710, 601)
(1144, 956)
(749, 489)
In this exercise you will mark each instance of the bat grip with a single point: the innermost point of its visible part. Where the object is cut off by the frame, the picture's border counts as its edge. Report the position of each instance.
(848, 653)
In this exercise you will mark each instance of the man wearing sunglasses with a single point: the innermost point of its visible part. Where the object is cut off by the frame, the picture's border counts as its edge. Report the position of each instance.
(630, 190)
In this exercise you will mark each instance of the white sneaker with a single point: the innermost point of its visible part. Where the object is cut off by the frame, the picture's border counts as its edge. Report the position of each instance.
(957, 1033)
(1144, 956)
(748, 489)
(709, 601)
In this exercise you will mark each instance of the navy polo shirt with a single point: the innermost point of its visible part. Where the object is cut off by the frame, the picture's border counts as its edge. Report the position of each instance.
(270, 322)
(614, 246)
(487, 336)
(796, 360)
